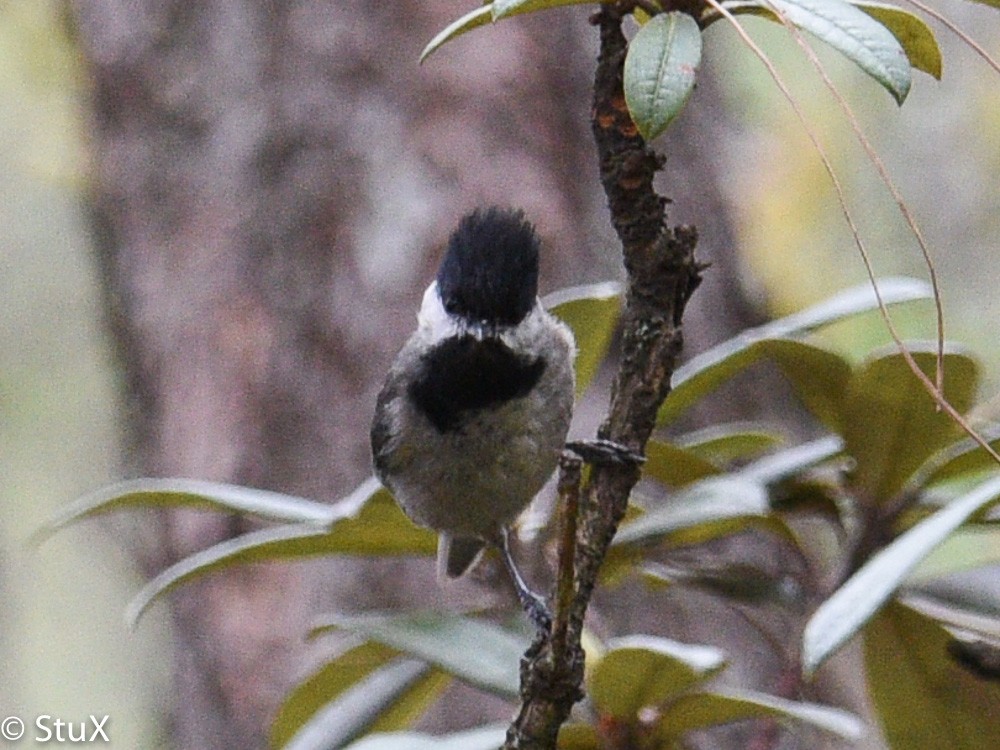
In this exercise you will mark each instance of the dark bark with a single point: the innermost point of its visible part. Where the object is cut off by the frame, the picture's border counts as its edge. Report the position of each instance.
(662, 274)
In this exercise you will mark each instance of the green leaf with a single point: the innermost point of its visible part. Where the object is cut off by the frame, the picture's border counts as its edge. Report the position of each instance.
(333, 679)
(735, 581)
(913, 35)
(708, 509)
(705, 372)
(377, 527)
(857, 36)
(991, 3)
(317, 700)
(471, 20)
(592, 312)
(358, 707)
(854, 603)
(491, 12)
(723, 444)
(481, 738)
(791, 461)
(700, 710)
(911, 32)
(660, 68)
(892, 425)
(505, 8)
(961, 458)
(966, 549)
(579, 737)
(675, 466)
(477, 652)
(194, 493)
(922, 698)
(644, 670)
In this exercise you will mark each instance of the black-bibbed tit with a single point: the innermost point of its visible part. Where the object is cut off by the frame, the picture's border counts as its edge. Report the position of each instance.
(475, 409)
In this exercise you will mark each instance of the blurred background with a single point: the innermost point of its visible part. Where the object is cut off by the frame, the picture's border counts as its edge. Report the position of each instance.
(779, 243)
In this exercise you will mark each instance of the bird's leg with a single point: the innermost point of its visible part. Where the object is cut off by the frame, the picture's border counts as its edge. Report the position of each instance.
(534, 605)
(601, 451)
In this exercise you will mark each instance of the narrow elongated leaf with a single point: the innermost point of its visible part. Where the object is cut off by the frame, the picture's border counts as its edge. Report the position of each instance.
(477, 652)
(963, 457)
(660, 68)
(854, 603)
(707, 509)
(991, 3)
(644, 670)
(319, 689)
(966, 549)
(489, 12)
(505, 8)
(892, 426)
(922, 697)
(700, 710)
(675, 466)
(309, 701)
(792, 461)
(482, 738)
(358, 707)
(911, 32)
(722, 444)
(378, 527)
(857, 36)
(471, 20)
(705, 372)
(592, 313)
(194, 493)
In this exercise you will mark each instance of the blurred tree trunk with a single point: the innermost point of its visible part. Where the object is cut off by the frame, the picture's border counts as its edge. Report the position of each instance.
(271, 183)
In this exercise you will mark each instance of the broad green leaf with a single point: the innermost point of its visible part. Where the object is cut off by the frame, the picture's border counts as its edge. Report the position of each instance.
(481, 738)
(708, 509)
(791, 461)
(911, 32)
(705, 372)
(660, 68)
(963, 457)
(922, 697)
(892, 425)
(723, 444)
(477, 652)
(592, 313)
(357, 708)
(701, 710)
(579, 737)
(645, 670)
(857, 36)
(194, 493)
(915, 37)
(471, 20)
(854, 603)
(308, 701)
(675, 466)
(378, 527)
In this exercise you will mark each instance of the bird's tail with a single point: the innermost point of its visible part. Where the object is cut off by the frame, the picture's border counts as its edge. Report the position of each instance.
(457, 554)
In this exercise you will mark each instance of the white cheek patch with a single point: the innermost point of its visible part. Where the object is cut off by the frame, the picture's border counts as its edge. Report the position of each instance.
(434, 321)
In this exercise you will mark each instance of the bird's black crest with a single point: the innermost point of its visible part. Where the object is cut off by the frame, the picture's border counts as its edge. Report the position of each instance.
(490, 272)
(464, 374)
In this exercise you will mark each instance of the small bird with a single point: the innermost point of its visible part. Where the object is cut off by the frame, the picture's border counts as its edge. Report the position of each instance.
(476, 406)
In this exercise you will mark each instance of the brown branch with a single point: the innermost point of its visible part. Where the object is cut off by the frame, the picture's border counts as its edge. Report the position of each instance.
(662, 274)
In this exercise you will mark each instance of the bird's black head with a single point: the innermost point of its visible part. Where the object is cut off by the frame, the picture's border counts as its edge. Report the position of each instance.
(490, 272)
